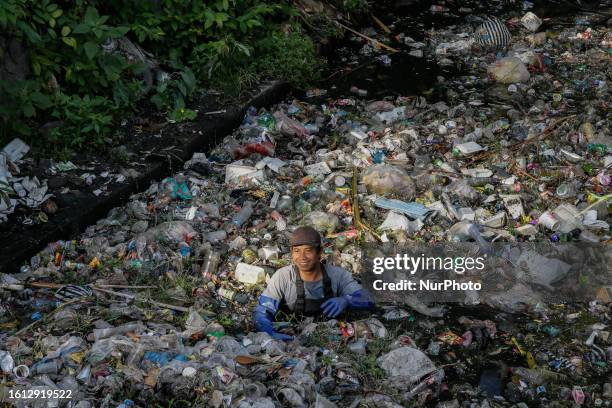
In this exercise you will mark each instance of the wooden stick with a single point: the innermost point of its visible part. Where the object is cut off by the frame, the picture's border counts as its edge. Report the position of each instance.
(378, 43)
(35, 322)
(146, 300)
(356, 216)
(51, 285)
(127, 286)
(381, 25)
(515, 147)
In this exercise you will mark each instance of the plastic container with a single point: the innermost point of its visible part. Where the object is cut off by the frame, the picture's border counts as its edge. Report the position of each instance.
(243, 215)
(249, 274)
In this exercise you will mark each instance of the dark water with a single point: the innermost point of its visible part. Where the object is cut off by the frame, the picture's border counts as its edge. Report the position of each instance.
(407, 75)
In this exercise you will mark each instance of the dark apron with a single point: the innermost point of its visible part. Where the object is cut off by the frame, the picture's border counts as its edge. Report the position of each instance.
(309, 307)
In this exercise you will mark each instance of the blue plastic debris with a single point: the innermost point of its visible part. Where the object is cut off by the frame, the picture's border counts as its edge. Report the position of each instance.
(412, 210)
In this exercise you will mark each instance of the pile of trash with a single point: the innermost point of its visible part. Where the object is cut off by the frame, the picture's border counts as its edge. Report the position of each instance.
(153, 302)
(14, 190)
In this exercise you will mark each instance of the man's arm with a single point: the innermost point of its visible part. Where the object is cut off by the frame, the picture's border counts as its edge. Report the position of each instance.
(360, 299)
(352, 291)
(350, 294)
(267, 307)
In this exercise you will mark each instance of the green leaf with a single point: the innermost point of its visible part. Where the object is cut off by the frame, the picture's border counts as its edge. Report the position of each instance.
(91, 49)
(182, 88)
(189, 79)
(42, 101)
(91, 15)
(82, 29)
(22, 129)
(32, 35)
(52, 22)
(179, 102)
(52, 7)
(243, 48)
(118, 32)
(210, 19)
(220, 18)
(157, 101)
(52, 33)
(57, 13)
(39, 20)
(65, 31)
(36, 67)
(70, 41)
(28, 110)
(123, 30)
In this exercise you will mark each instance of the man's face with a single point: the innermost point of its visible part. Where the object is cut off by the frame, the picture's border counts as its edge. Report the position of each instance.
(305, 257)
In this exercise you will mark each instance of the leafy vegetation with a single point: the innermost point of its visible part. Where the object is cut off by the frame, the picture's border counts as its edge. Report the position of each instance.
(79, 83)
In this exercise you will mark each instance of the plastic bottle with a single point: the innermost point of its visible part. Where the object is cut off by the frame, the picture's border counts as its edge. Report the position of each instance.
(267, 121)
(463, 231)
(184, 249)
(565, 190)
(538, 376)
(216, 236)
(243, 215)
(481, 181)
(51, 367)
(285, 204)
(249, 255)
(135, 355)
(303, 207)
(211, 263)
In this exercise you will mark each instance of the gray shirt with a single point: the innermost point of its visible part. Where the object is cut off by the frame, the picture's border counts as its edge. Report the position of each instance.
(282, 286)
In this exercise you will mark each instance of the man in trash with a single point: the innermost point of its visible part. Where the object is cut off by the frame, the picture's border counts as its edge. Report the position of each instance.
(308, 286)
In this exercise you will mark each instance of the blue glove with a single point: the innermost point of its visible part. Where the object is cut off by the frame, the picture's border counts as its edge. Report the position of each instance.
(281, 336)
(357, 300)
(334, 306)
(264, 316)
(360, 300)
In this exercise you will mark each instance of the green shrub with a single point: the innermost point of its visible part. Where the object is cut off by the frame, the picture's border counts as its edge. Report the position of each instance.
(85, 90)
(291, 57)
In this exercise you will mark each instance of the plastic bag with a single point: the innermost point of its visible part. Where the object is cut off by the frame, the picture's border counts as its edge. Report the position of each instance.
(508, 71)
(6, 362)
(289, 127)
(408, 363)
(324, 222)
(389, 180)
(173, 231)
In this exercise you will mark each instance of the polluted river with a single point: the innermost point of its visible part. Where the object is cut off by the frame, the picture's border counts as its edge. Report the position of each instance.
(468, 134)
